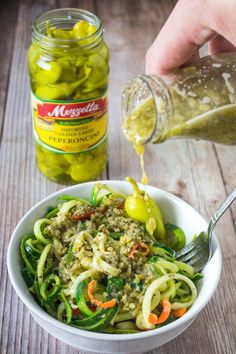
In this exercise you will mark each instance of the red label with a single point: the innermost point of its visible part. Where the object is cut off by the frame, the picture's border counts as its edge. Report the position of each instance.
(72, 110)
(72, 126)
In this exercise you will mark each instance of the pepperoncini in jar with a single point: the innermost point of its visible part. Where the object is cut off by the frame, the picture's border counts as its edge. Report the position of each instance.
(69, 67)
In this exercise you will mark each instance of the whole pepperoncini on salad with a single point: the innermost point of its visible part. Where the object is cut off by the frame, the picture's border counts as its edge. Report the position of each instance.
(141, 207)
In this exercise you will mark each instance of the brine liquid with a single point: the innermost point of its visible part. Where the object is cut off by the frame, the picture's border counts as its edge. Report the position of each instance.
(139, 149)
(217, 125)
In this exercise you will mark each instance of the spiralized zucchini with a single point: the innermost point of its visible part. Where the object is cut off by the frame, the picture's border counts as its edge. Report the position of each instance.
(83, 276)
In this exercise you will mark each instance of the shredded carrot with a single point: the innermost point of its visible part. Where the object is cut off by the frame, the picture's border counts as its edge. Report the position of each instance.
(139, 247)
(152, 318)
(180, 312)
(166, 308)
(105, 305)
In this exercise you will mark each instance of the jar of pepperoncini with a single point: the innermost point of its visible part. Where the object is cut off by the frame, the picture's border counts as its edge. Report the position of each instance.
(198, 101)
(69, 66)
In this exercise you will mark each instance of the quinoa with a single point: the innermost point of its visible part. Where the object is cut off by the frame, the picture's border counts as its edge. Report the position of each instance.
(79, 237)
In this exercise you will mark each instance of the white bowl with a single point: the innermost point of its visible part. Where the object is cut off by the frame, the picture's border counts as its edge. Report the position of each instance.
(174, 211)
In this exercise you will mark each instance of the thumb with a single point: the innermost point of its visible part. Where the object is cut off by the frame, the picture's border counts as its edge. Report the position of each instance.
(180, 38)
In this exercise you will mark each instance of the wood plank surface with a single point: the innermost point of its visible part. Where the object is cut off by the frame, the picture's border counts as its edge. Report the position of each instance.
(199, 172)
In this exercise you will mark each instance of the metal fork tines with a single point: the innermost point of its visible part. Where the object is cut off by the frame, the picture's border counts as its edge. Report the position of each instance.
(196, 253)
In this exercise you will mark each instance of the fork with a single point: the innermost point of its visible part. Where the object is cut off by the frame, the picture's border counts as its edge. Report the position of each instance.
(199, 251)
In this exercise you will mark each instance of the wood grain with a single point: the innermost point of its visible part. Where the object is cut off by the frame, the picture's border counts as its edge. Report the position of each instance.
(8, 19)
(199, 172)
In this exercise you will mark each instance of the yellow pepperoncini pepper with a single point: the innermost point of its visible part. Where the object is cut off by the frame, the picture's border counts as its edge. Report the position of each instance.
(70, 64)
(141, 207)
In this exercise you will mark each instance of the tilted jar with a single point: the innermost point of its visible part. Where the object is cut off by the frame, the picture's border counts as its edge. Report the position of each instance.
(198, 101)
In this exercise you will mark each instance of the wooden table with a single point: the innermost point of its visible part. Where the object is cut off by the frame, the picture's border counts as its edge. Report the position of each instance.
(199, 172)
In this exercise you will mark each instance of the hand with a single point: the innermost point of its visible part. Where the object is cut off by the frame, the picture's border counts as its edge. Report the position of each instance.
(191, 24)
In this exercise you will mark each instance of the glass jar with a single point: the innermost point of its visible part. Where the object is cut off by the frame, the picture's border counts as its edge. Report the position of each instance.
(68, 67)
(198, 102)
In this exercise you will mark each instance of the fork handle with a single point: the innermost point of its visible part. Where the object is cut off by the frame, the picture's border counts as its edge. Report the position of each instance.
(220, 211)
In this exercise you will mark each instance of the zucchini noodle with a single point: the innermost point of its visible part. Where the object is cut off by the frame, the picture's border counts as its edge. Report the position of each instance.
(159, 269)
(147, 300)
(60, 310)
(155, 300)
(66, 207)
(57, 248)
(80, 239)
(167, 265)
(171, 290)
(92, 266)
(38, 232)
(85, 275)
(185, 267)
(179, 305)
(120, 317)
(104, 267)
(41, 263)
(102, 241)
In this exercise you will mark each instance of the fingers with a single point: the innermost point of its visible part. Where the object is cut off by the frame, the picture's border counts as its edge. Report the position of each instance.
(219, 44)
(180, 38)
(193, 59)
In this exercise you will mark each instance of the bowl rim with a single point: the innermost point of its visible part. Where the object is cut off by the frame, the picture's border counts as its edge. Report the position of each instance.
(38, 311)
